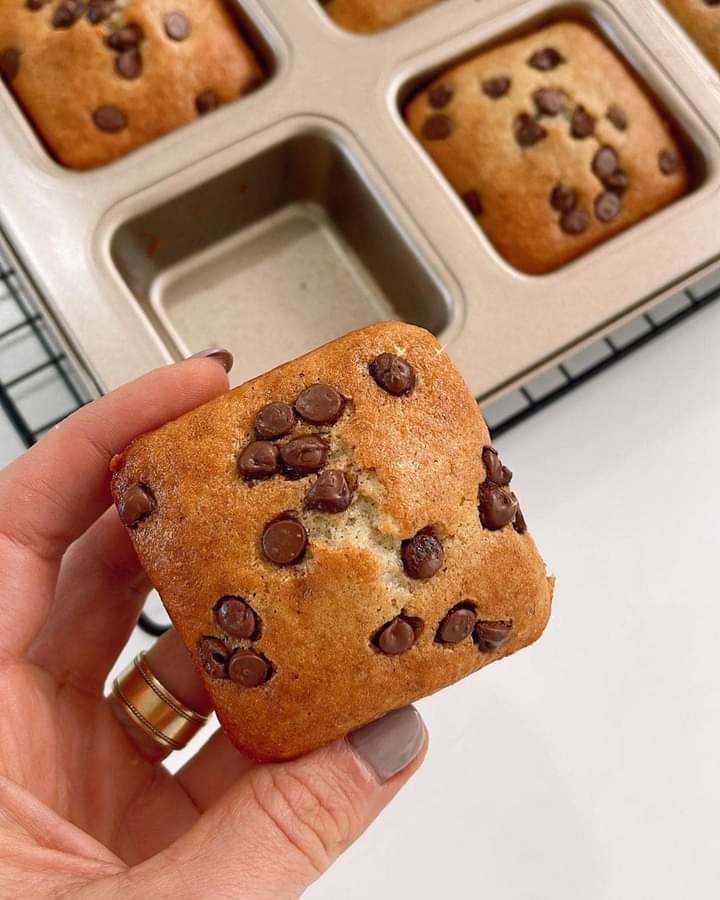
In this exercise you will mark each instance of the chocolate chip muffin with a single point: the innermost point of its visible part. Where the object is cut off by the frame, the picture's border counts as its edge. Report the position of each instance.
(373, 15)
(701, 19)
(551, 143)
(334, 539)
(99, 78)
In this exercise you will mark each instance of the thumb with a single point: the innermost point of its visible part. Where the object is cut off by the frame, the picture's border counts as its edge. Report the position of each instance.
(282, 825)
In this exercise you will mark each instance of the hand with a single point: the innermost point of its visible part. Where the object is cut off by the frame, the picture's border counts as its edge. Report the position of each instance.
(86, 807)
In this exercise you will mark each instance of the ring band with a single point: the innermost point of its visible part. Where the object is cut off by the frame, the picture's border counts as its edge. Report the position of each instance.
(151, 706)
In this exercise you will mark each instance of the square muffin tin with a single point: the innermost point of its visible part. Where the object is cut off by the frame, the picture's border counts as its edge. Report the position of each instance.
(308, 208)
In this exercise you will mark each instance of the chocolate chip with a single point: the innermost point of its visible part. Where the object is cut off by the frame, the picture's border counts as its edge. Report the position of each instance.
(331, 492)
(248, 669)
(617, 182)
(9, 64)
(563, 199)
(129, 64)
(582, 124)
(440, 95)
(126, 38)
(275, 420)
(259, 459)
(605, 162)
(669, 162)
(496, 506)
(393, 374)
(284, 541)
(67, 13)
(549, 101)
(35, 5)
(136, 504)
(206, 102)
(110, 119)
(495, 471)
(472, 200)
(177, 26)
(545, 59)
(456, 625)
(304, 454)
(438, 127)
(320, 404)
(422, 555)
(607, 206)
(575, 222)
(237, 618)
(519, 523)
(99, 11)
(527, 130)
(618, 116)
(490, 636)
(496, 88)
(213, 656)
(398, 635)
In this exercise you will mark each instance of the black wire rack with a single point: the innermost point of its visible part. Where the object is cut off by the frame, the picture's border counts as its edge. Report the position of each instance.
(39, 386)
(32, 362)
(24, 334)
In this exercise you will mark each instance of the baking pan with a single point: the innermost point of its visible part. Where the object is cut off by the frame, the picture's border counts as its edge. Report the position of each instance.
(308, 208)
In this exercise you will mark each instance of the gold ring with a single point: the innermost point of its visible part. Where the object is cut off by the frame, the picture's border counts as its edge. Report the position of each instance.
(151, 706)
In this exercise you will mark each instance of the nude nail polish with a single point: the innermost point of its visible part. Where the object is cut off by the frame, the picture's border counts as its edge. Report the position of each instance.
(387, 746)
(223, 357)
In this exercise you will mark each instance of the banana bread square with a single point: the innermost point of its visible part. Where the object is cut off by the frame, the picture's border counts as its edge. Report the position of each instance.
(98, 78)
(551, 143)
(334, 539)
(366, 16)
(701, 20)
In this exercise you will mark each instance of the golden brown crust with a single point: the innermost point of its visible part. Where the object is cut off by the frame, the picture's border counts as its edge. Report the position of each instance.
(514, 183)
(373, 15)
(66, 74)
(416, 461)
(702, 22)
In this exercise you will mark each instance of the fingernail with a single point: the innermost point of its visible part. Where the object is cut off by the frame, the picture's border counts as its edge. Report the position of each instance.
(224, 357)
(391, 743)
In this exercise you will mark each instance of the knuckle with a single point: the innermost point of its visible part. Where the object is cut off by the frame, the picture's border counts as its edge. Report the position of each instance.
(312, 811)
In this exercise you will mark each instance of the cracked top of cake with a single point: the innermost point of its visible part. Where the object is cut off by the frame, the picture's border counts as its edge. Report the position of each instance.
(334, 539)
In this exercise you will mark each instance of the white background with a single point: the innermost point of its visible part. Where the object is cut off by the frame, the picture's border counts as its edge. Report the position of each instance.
(587, 766)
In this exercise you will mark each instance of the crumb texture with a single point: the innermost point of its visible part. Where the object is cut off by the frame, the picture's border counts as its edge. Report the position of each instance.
(551, 143)
(377, 555)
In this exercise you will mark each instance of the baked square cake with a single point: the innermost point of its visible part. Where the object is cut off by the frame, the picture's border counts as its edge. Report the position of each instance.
(701, 19)
(334, 539)
(373, 15)
(98, 78)
(551, 143)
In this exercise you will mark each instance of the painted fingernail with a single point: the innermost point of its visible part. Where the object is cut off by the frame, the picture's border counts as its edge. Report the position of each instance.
(390, 744)
(224, 357)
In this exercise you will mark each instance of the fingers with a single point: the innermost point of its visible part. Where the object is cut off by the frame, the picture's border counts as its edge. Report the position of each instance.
(56, 490)
(101, 590)
(213, 770)
(281, 826)
(169, 661)
(59, 487)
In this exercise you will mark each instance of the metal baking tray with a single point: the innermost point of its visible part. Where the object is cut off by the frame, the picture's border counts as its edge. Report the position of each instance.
(308, 208)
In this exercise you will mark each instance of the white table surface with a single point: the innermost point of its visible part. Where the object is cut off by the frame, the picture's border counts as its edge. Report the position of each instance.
(586, 768)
